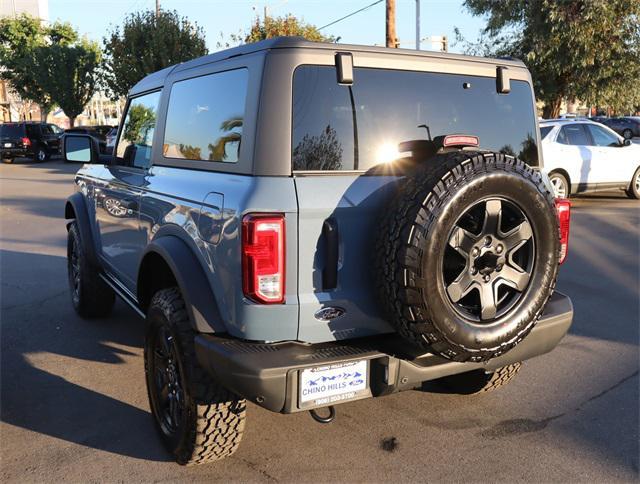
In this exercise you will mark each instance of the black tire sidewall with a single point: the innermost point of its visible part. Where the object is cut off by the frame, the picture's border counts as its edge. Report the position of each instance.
(633, 192)
(625, 132)
(456, 337)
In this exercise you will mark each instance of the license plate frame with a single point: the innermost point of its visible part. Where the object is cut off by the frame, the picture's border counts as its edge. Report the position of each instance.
(344, 381)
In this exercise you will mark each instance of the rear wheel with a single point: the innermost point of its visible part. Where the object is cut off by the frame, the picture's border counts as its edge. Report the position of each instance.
(90, 295)
(41, 155)
(479, 381)
(627, 134)
(198, 420)
(7, 160)
(560, 185)
(634, 187)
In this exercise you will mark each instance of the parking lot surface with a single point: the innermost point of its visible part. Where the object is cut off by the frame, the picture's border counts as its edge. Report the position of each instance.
(74, 405)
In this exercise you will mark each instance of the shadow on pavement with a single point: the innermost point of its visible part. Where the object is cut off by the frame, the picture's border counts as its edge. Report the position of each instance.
(50, 404)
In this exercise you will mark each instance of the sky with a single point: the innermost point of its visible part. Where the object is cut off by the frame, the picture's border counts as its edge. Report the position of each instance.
(220, 18)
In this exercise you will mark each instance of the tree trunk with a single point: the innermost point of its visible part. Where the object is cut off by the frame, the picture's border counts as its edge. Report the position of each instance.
(44, 112)
(552, 108)
(72, 121)
(392, 40)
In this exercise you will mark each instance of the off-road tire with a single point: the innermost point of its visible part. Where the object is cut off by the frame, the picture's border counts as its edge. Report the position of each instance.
(91, 296)
(415, 228)
(213, 419)
(633, 191)
(479, 381)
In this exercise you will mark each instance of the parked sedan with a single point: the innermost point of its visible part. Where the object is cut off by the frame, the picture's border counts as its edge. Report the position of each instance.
(628, 126)
(583, 156)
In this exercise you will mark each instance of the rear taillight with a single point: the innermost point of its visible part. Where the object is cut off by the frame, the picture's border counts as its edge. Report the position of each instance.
(460, 140)
(263, 240)
(26, 141)
(563, 207)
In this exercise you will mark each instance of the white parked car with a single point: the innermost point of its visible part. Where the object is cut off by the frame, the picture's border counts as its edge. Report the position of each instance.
(584, 156)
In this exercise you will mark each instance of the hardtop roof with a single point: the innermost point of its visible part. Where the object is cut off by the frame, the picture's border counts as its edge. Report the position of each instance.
(156, 80)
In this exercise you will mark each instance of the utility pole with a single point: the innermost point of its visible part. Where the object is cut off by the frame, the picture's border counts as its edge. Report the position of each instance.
(417, 24)
(392, 40)
(157, 8)
(266, 13)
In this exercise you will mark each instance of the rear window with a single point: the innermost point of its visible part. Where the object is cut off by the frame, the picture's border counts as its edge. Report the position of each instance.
(12, 130)
(205, 117)
(544, 131)
(338, 127)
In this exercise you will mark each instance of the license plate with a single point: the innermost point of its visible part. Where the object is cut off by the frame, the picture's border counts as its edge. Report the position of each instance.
(325, 385)
(8, 145)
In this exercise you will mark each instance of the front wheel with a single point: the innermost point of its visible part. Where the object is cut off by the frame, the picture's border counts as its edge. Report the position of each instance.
(198, 420)
(90, 296)
(634, 187)
(560, 185)
(627, 134)
(479, 381)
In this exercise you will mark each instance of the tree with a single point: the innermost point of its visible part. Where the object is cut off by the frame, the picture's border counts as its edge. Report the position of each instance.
(578, 49)
(20, 39)
(70, 74)
(146, 44)
(270, 27)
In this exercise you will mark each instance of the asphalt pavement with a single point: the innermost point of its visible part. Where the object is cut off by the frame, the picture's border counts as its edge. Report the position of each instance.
(74, 405)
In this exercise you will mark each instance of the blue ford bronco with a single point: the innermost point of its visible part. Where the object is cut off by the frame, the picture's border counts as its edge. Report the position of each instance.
(305, 224)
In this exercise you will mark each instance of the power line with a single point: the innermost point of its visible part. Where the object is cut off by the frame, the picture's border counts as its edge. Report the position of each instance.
(350, 15)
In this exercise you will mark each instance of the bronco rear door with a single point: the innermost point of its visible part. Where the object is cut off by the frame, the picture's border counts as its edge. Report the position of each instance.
(345, 156)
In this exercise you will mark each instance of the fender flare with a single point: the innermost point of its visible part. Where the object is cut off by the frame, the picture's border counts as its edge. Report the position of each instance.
(76, 209)
(194, 286)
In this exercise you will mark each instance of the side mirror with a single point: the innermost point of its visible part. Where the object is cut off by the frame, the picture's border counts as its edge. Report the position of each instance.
(626, 142)
(80, 148)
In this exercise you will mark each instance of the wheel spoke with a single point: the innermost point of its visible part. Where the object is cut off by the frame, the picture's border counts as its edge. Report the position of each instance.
(518, 236)
(492, 217)
(515, 278)
(487, 301)
(462, 241)
(460, 287)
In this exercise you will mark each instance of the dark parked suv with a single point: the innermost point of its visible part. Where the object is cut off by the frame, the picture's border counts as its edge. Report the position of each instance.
(305, 224)
(29, 139)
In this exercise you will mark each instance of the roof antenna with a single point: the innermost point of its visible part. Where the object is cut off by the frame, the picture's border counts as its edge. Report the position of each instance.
(427, 128)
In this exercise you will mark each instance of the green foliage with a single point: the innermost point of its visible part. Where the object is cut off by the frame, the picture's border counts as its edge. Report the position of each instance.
(139, 123)
(21, 42)
(575, 49)
(69, 73)
(146, 44)
(285, 26)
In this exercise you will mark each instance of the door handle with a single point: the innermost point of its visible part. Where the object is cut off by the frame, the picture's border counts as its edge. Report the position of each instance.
(330, 272)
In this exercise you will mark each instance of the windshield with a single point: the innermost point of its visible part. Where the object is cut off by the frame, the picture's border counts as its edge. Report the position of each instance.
(11, 130)
(340, 127)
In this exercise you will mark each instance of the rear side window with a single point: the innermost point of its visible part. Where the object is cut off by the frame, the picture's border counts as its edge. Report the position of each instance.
(12, 130)
(574, 134)
(205, 117)
(544, 131)
(134, 146)
(338, 127)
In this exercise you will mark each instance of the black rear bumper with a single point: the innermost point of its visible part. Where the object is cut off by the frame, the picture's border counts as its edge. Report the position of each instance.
(268, 374)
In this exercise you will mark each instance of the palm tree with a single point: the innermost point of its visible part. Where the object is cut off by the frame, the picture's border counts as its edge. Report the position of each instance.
(218, 150)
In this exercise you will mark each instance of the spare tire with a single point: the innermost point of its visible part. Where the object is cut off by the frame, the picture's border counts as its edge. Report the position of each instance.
(468, 254)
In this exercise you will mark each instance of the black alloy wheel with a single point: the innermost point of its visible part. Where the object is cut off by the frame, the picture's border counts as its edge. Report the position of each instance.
(168, 389)
(490, 261)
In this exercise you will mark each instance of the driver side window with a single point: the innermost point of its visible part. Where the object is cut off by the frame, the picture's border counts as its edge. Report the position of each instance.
(602, 137)
(136, 138)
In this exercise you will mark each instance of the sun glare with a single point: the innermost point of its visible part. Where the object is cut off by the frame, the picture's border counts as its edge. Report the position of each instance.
(387, 152)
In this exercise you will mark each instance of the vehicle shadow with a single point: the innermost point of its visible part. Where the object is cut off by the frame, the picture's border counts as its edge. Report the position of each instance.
(44, 345)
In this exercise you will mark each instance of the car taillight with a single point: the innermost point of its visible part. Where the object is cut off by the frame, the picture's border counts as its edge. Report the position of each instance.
(563, 207)
(26, 141)
(460, 140)
(263, 240)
